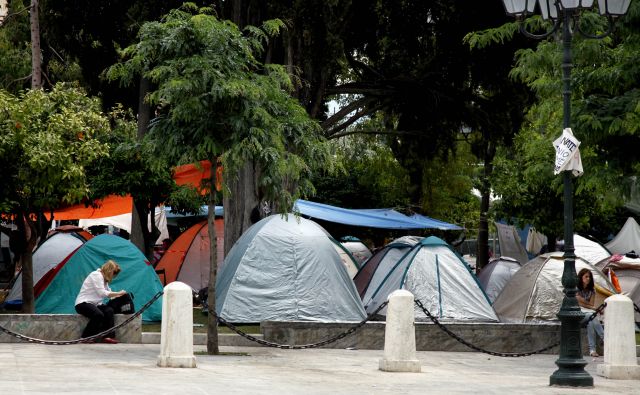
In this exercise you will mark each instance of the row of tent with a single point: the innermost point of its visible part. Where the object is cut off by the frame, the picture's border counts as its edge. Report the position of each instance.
(289, 268)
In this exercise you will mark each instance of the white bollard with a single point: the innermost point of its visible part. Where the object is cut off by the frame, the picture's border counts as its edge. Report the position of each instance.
(400, 335)
(176, 338)
(620, 361)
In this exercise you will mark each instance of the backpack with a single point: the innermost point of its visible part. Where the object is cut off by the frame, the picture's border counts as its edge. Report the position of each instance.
(122, 304)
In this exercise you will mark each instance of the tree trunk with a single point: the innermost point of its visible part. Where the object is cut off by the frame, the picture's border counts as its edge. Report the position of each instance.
(239, 204)
(143, 218)
(138, 228)
(482, 253)
(36, 56)
(139, 234)
(482, 258)
(212, 322)
(27, 232)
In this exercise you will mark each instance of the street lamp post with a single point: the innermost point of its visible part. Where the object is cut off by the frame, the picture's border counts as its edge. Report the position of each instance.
(562, 13)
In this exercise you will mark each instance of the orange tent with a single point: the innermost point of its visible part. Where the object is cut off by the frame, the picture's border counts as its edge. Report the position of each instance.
(187, 259)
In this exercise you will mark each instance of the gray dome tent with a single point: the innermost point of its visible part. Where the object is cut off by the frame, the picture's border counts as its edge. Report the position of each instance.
(534, 293)
(286, 269)
(357, 248)
(437, 276)
(496, 275)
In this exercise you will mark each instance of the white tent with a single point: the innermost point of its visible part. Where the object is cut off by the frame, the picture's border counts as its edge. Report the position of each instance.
(628, 272)
(286, 269)
(46, 257)
(496, 275)
(627, 239)
(347, 259)
(440, 279)
(534, 293)
(359, 251)
(510, 243)
(373, 271)
(590, 250)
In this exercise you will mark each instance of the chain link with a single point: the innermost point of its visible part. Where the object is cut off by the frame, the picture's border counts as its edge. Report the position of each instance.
(84, 339)
(302, 346)
(594, 314)
(479, 349)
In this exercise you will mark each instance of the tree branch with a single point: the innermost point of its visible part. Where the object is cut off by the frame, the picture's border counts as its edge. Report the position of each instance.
(375, 131)
(344, 111)
(3, 20)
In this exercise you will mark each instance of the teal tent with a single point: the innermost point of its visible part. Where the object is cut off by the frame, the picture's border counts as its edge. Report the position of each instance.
(137, 276)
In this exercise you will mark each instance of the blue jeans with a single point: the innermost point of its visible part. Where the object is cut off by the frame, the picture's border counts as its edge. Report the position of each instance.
(594, 328)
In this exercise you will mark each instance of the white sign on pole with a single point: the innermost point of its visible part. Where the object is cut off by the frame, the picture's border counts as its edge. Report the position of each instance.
(567, 154)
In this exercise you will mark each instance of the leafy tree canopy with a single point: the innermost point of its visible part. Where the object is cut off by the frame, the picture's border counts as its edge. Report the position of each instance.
(605, 108)
(215, 99)
(47, 140)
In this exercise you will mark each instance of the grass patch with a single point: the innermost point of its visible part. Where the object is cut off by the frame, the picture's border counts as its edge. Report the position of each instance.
(200, 325)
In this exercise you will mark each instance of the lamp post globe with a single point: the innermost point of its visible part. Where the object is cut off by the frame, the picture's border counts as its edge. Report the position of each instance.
(562, 13)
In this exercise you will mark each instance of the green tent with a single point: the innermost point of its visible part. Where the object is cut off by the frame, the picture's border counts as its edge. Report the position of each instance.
(137, 276)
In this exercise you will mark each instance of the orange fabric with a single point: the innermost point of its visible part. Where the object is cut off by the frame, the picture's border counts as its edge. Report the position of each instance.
(171, 261)
(107, 207)
(189, 174)
(614, 280)
(219, 172)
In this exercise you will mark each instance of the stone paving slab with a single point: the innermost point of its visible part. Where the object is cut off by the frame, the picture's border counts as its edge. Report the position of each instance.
(131, 369)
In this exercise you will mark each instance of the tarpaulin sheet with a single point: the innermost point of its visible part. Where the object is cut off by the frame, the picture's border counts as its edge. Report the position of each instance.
(374, 218)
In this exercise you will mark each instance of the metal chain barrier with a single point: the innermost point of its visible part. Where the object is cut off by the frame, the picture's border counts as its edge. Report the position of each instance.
(84, 339)
(497, 354)
(302, 346)
(594, 314)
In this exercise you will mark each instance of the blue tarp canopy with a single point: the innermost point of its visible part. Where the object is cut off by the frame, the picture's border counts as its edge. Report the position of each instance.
(373, 218)
(434, 223)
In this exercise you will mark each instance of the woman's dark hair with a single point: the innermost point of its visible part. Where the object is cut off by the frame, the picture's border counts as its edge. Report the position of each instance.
(582, 273)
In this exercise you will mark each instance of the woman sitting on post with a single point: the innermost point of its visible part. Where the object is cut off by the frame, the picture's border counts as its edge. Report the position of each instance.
(586, 298)
(90, 301)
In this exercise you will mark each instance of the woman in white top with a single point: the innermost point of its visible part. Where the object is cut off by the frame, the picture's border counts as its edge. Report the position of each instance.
(90, 301)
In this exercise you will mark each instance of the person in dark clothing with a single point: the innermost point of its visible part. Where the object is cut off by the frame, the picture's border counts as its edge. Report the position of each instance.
(90, 301)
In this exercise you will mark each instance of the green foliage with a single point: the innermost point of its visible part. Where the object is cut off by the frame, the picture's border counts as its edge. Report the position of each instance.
(15, 49)
(446, 188)
(605, 97)
(216, 99)
(369, 175)
(47, 139)
(140, 171)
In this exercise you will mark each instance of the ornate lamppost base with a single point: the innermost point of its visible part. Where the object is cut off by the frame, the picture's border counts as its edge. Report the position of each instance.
(568, 377)
(570, 363)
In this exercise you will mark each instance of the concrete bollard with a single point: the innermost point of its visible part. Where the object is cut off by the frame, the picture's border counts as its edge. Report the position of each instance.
(176, 337)
(620, 361)
(400, 335)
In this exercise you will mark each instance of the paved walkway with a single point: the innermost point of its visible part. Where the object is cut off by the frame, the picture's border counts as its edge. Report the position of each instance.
(131, 369)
